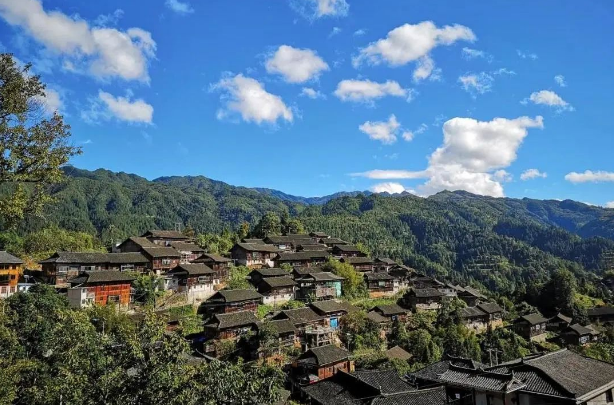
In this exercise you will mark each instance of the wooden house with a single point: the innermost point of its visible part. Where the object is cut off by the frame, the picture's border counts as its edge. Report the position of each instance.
(189, 251)
(133, 244)
(302, 259)
(316, 236)
(310, 247)
(229, 326)
(319, 286)
(101, 287)
(423, 299)
(531, 327)
(161, 258)
(286, 331)
(579, 335)
(288, 243)
(300, 272)
(320, 363)
(312, 330)
(254, 255)
(471, 296)
(196, 280)
(10, 272)
(62, 266)
(347, 251)
(494, 314)
(219, 264)
(474, 319)
(227, 301)
(256, 276)
(392, 312)
(604, 315)
(380, 284)
(164, 238)
(383, 264)
(558, 323)
(332, 310)
(360, 263)
(332, 242)
(276, 290)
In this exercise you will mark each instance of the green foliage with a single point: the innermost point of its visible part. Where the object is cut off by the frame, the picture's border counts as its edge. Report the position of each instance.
(263, 310)
(269, 225)
(218, 244)
(33, 148)
(147, 288)
(357, 332)
(293, 304)
(238, 278)
(354, 284)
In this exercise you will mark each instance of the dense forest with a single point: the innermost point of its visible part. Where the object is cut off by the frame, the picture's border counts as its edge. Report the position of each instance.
(500, 242)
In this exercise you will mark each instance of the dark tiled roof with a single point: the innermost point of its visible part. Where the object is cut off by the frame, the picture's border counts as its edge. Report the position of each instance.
(560, 317)
(237, 295)
(346, 248)
(532, 319)
(470, 377)
(311, 247)
(579, 329)
(186, 246)
(141, 241)
(333, 391)
(318, 234)
(385, 260)
(575, 373)
(271, 272)
(472, 291)
(192, 269)
(390, 309)
(397, 352)
(255, 247)
(331, 306)
(233, 320)
(275, 282)
(430, 396)
(160, 251)
(490, 307)
(325, 355)
(96, 258)
(376, 317)
(252, 240)
(356, 260)
(600, 311)
(211, 257)
(378, 276)
(333, 241)
(7, 258)
(471, 312)
(302, 271)
(292, 239)
(157, 233)
(385, 381)
(282, 325)
(325, 276)
(299, 316)
(427, 292)
(106, 276)
(305, 255)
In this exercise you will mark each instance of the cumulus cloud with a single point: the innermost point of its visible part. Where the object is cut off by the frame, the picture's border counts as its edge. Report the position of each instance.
(550, 99)
(248, 97)
(179, 7)
(425, 69)
(311, 93)
(295, 65)
(50, 102)
(476, 83)
(470, 53)
(473, 156)
(384, 131)
(103, 52)
(412, 42)
(312, 9)
(367, 90)
(532, 174)
(107, 106)
(390, 188)
(590, 176)
(409, 135)
(560, 80)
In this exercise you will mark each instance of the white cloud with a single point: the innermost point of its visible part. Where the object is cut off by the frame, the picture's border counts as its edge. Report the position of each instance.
(50, 101)
(425, 69)
(360, 32)
(472, 157)
(532, 174)
(247, 97)
(179, 7)
(503, 71)
(548, 98)
(412, 42)
(104, 52)
(560, 80)
(107, 106)
(409, 135)
(476, 83)
(311, 93)
(609, 204)
(526, 55)
(296, 65)
(384, 131)
(312, 9)
(107, 20)
(366, 90)
(390, 188)
(469, 53)
(590, 176)
(334, 31)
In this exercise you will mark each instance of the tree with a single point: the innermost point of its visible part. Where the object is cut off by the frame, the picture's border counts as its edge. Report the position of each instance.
(293, 226)
(238, 278)
(558, 293)
(33, 148)
(353, 284)
(147, 289)
(269, 224)
(357, 331)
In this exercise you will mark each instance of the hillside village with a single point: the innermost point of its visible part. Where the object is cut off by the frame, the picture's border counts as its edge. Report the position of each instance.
(295, 310)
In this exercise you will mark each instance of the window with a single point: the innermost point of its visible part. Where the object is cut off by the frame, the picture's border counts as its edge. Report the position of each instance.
(608, 396)
(166, 261)
(113, 298)
(203, 280)
(127, 267)
(89, 268)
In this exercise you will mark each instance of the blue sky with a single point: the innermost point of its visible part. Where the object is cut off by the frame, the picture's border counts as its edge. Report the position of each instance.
(313, 97)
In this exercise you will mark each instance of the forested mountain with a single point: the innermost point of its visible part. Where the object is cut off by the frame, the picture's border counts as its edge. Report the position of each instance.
(495, 240)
